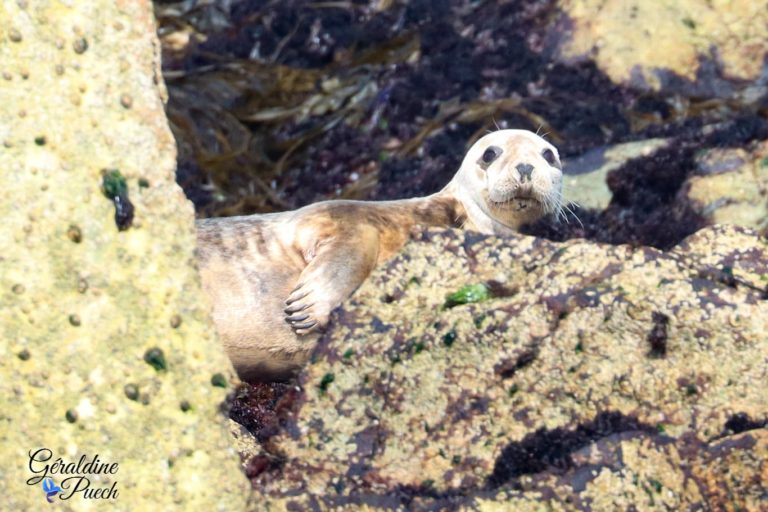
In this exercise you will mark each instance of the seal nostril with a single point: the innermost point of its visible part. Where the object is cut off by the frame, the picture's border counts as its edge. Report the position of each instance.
(525, 171)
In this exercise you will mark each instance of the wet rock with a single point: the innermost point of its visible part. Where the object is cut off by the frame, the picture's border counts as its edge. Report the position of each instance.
(559, 395)
(82, 301)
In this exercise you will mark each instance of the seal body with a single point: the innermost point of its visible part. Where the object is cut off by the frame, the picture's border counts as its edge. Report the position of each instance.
(274, 279)
(271, 276)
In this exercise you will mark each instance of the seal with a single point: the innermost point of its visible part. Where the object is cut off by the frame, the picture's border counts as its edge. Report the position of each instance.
(274, 278)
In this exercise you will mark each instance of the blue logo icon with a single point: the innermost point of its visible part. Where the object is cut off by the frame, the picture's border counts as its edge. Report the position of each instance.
(50, 488)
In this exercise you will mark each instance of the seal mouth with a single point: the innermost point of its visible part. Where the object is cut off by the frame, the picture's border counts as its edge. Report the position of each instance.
(516, 203)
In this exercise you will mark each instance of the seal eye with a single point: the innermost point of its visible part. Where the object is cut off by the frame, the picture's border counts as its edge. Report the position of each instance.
(490, 154)
(549, 156)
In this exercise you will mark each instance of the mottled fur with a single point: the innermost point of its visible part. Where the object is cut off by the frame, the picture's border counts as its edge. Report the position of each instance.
(275, 278)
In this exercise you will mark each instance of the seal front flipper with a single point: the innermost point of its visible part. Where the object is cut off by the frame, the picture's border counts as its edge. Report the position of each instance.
(336, 270)
(297, 314)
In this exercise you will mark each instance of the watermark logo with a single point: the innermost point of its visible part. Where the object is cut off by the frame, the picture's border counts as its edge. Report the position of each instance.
(50, 489)
(75, 477)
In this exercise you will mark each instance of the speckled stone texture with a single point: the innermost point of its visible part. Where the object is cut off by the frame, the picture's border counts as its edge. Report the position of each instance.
(704, 48)
(83, 303)
(597, 378)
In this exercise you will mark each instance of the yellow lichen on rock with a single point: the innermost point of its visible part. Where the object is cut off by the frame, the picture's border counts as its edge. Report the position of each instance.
(635, 40)
(731, 186)
(107, 346)
(593, 374)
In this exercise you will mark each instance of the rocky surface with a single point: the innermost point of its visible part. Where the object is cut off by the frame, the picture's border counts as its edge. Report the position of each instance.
(657, 191)
(595, 377)
(689, 46)
(107, 348)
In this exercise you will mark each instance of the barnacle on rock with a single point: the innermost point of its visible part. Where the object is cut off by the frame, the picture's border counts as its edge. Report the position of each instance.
(156, 359)
(219, 380)
(115, 188)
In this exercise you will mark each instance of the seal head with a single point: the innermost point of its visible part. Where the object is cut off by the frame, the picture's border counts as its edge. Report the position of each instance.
(509, 178)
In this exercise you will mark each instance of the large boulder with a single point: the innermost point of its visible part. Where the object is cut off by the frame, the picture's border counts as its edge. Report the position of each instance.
(690, 46)
(106, 347)
(496, 373)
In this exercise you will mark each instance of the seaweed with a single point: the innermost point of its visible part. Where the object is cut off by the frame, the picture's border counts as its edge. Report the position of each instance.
(469, 294)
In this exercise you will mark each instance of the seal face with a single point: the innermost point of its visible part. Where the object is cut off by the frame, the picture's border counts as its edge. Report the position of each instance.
(513, 177)
(274, 278)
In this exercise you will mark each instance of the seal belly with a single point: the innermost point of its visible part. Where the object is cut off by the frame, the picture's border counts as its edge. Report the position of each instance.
(248, 289)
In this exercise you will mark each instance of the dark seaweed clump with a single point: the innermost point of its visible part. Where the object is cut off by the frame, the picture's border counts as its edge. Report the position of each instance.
(643, 210)
(552, 449)
(398, 95)
(254, 407)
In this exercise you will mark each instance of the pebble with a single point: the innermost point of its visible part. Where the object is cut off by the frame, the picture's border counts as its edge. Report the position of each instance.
(126, 100)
